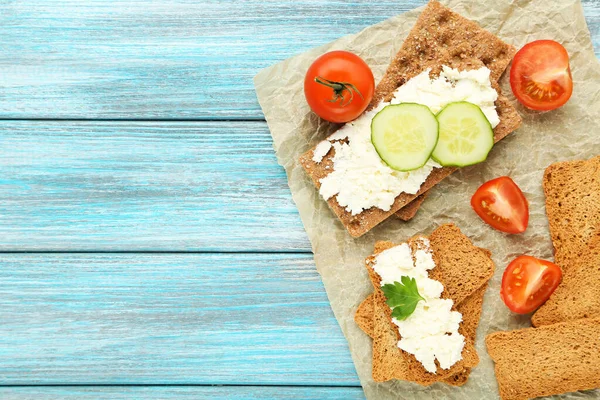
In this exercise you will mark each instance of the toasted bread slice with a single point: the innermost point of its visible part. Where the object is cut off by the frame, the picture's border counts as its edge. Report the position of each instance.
(573, 207)
(548, 360)
(471, 308)
(578, 295)
(461, 258)
(460, 265)
(439, 37)
(364, 315)
(390, 362)
(572, 190)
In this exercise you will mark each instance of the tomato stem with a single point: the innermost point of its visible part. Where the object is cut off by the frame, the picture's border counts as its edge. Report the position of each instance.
(338, 90)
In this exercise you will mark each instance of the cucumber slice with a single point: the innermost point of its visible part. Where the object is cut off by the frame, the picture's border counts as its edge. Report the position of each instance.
(404, 135)
(466, 136)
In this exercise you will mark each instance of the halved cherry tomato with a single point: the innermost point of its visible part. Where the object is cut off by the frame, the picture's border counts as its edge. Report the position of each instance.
(501, 204)
(528, 282)
(540, 75)
(339, 86)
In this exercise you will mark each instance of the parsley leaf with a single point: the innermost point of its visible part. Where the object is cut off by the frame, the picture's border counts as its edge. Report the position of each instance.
(402, 297)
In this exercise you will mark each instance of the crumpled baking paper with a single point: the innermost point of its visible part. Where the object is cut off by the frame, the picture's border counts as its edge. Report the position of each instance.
(572, 132)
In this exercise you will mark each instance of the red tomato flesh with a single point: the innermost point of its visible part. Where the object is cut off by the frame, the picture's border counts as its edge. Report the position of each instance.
(540, 76)
(501, 204)
(528, 282)
(339, 86)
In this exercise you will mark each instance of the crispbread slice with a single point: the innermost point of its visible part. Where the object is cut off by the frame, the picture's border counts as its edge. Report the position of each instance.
(389, 362)
(409, 211)
(548, 360)
(573, 207)
(440, 37)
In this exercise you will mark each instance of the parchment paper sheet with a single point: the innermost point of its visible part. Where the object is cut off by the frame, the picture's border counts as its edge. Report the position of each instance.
(572, 132)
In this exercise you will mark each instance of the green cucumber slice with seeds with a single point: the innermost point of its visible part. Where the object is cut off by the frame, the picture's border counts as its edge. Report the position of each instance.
(404, 135)
(466, 136)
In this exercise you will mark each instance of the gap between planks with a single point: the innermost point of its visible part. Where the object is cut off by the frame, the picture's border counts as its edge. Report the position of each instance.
(290, 252)
(202, 119)
(75, 385)
(180, 392)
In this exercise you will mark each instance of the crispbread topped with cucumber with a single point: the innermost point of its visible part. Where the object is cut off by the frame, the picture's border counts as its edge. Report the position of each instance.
(407, 135)
(421, 144)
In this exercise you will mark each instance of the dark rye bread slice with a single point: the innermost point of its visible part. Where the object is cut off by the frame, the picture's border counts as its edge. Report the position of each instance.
(439, 37)
(457, 260)
(548, 360)
(409, 211)
(572, 191)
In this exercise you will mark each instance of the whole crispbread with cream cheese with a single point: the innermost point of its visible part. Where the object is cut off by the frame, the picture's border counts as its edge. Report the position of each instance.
(389, 362)
(440, 37)
(551, 359)
(572, 190)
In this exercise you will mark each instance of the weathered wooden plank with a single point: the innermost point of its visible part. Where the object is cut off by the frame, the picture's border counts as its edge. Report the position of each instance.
(178, 392)
(175, 186)
(168, 319)
(152, 59)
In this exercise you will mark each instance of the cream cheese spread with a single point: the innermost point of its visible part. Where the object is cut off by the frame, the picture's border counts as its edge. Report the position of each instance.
(321, 151)
(431, 332)
(360, 179)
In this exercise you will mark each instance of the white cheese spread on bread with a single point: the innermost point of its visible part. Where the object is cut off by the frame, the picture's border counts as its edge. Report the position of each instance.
(431, 332)
(359, 178)
(321, 151)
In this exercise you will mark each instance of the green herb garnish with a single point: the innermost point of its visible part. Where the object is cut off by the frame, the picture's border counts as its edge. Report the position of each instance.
(402, 297)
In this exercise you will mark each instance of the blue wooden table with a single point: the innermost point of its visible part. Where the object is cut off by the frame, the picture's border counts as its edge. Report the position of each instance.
(149, 244)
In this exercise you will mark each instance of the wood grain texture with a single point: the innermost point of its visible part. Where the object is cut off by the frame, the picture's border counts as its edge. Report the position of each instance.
(130, 186)
(250, 319)
(151, 59)
(178, 392)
